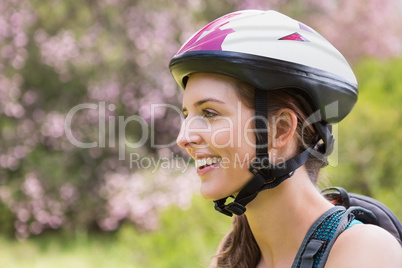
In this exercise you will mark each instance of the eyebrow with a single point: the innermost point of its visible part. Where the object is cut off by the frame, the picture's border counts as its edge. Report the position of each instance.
(200, 102)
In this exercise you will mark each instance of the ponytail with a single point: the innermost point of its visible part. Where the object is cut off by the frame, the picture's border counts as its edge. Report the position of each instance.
(240, 248)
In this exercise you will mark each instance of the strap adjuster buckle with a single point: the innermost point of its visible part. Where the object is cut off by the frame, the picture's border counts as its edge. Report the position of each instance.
(259, 164)
(235, 208)
(221, 207)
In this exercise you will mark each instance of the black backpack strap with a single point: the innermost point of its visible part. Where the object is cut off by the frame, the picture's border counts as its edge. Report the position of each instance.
(318, 242)
(348, 216)
(318, 237)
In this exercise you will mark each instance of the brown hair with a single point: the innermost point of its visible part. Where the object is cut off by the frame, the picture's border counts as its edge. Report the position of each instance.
(239, 249)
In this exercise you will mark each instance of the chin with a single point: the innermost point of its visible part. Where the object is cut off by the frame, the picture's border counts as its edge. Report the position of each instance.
(214, 193)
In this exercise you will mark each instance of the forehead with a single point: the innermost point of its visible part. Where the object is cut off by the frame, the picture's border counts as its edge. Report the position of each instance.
(203, 85)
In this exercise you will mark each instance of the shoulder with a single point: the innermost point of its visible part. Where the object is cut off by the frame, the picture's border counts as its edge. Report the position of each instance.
(365, 245)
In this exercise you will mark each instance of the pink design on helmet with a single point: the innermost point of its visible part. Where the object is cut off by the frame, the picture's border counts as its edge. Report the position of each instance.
(294, 37)
(212, 40)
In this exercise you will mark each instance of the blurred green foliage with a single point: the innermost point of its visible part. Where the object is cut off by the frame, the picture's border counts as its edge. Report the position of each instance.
(370, 138)
(185, 238)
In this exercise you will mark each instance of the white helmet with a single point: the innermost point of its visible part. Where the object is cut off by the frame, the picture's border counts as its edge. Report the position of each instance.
(271, 51)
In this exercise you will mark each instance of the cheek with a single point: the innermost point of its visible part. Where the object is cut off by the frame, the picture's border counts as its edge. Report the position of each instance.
(246, 147)
(249, 138)
(222, 135)
(247, 135)
(248, 128)
(243, 151)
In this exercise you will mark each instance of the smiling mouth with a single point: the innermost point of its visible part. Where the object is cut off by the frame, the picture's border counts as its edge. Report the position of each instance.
(204, 162)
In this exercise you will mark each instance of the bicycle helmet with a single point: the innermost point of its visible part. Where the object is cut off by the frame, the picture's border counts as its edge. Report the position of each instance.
(272, 51)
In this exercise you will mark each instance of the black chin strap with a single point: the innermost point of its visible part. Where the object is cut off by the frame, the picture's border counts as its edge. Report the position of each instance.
(264, 178)
(266, 175)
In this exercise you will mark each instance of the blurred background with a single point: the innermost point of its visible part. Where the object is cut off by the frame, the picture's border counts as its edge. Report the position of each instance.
(73, 195)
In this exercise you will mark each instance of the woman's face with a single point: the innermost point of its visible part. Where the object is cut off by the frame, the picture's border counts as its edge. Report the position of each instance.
(217, 133)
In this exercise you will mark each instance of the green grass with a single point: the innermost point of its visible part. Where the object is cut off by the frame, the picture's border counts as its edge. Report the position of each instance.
(186, 238)
(62, 251)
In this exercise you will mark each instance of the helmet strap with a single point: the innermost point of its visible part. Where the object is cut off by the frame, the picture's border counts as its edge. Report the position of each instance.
(266, 175)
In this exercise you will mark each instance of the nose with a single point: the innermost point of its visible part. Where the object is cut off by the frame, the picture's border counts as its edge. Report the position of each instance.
(187, 138)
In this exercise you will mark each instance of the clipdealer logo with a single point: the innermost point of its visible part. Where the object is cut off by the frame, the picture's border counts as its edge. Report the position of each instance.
(147, 130)
(191, 125)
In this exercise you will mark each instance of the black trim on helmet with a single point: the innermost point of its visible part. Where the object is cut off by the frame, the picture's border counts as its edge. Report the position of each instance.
(321, 87)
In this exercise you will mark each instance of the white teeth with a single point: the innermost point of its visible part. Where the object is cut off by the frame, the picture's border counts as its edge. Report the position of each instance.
(207, 161)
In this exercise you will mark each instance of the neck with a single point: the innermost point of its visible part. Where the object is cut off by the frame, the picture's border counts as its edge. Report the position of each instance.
(279, 218)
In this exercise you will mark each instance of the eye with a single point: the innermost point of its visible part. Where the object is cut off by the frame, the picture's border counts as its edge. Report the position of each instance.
(209, 113)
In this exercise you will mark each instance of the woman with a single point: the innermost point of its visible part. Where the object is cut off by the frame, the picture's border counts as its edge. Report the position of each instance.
(261, 91)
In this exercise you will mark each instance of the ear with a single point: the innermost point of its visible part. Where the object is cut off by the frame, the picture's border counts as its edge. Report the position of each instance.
(283, 128)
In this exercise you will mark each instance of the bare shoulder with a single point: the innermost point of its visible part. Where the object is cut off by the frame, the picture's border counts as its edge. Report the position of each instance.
(365, 245)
